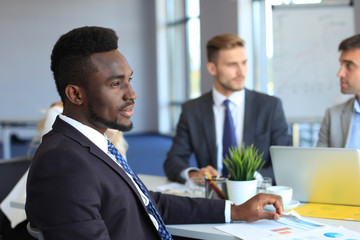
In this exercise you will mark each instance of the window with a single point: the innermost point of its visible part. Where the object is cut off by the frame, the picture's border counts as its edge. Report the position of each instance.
(178, 58)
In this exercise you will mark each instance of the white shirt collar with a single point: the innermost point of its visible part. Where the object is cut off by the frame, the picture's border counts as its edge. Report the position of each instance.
(94, 136)
(356, 106)
(236, 98)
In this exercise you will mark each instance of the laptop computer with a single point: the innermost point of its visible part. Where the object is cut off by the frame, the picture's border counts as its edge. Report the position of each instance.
(319, 175)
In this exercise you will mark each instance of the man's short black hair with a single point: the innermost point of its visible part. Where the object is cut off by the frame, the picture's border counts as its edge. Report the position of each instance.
(70, 58)
(350, 43)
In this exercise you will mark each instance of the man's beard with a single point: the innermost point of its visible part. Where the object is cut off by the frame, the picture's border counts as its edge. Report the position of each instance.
(108, 124)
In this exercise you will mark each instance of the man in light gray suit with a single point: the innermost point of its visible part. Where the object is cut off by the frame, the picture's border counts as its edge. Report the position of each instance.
(340, 126)
(258, 118)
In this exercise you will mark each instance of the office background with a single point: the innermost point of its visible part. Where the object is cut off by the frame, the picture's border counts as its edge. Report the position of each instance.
(29, 30)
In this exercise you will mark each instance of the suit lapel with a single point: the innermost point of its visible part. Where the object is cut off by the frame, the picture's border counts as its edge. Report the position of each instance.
(208, 126)
(249, 118)
(112, 164)
(66, 129)
(346, 120)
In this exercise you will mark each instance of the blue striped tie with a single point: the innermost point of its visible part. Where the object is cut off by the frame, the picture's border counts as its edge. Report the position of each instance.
(164, 234)
(229, 140)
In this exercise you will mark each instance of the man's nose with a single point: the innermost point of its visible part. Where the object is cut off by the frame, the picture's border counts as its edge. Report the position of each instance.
(341, 72)
(241, 70)
(130, 94)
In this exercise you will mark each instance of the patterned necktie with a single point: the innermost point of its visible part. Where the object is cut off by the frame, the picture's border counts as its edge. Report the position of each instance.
(164, 234)
(229, 139)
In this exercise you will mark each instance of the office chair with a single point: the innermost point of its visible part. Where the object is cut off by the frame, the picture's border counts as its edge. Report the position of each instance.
(145, 146)
(11, 170)
(35, 232)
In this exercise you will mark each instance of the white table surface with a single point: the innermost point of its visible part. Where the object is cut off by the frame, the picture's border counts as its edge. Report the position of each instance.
(207, 231)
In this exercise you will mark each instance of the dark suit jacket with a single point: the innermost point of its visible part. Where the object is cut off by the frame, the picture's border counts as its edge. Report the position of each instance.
(76, 191)
(264, 125)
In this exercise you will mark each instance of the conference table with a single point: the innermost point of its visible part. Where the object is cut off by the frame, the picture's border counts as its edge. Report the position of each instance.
(209, 232)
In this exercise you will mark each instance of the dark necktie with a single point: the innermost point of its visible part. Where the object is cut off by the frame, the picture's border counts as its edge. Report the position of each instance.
(229, 139)
(164, 234)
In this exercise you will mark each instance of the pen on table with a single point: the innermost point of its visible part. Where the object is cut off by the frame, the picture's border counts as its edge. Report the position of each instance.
(215, 187)
(213, 192)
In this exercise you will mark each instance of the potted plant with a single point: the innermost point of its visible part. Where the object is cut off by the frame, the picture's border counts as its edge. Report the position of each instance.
(241, 165)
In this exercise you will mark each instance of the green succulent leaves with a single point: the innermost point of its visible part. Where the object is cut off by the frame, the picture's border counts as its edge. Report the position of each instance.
(243, 163)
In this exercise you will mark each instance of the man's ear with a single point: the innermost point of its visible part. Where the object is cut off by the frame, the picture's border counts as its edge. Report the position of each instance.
(211, 67)
(74, 94)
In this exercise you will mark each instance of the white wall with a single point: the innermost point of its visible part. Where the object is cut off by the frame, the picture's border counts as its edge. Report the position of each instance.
(29, 29)
(357, 16)
(216, 17)
(219, 17)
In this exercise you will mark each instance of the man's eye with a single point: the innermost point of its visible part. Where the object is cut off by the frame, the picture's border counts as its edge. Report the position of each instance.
(231, 64)
(349, 66)
(115, 84)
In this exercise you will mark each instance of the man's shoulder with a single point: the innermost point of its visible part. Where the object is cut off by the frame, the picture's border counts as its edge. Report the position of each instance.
(54, 141)
(57, 149)
(199, 101)
(339, 107)
(63, 137)
(261, 97)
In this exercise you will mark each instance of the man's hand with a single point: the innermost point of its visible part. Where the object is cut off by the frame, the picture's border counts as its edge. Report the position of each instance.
(252, 210)
(208, 169)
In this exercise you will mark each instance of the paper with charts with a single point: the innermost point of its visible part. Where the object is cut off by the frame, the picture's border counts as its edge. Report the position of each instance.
(288, 229)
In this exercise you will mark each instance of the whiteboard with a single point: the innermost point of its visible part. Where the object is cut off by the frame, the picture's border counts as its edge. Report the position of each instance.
(305, 60)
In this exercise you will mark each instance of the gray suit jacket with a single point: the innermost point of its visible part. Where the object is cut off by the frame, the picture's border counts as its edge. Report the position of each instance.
(264, 125)
(76, 191)
(336, 125)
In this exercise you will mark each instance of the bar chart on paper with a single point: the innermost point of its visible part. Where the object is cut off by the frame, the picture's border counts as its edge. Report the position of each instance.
(291, 226)
(289, 229)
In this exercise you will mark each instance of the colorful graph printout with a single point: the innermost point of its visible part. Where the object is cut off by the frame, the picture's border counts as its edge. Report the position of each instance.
(288, 229)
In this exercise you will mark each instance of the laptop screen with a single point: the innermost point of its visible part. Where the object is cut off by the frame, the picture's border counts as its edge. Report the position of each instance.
(320, 175)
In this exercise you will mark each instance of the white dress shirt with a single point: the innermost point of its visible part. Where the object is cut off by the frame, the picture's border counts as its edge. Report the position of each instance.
(237, 109)
(354, 139)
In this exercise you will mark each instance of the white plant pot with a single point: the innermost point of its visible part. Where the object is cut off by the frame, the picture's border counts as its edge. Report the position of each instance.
(241, 191)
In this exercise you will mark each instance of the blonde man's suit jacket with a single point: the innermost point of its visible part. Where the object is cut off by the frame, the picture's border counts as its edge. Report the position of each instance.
(336, 125)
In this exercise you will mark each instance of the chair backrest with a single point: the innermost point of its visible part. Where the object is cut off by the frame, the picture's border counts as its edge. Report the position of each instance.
(11, 170)
(147, 152)
(35, 232)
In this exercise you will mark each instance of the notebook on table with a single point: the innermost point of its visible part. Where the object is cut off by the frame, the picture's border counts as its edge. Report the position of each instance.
(319, 175)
